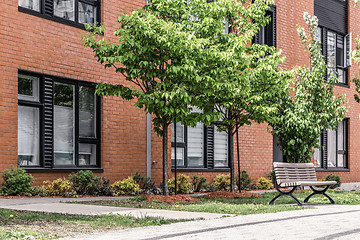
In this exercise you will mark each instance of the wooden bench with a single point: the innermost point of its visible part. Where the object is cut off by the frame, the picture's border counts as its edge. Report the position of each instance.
(295, 175)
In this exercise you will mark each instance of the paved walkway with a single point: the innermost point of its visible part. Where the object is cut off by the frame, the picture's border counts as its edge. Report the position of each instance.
(60, 205)
(322, 222)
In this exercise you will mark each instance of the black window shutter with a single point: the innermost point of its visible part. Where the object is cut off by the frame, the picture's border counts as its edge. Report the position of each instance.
(273, 24)
(210, 146)
(48, 123)
(332, 14)
(324, 150)
(49, 7)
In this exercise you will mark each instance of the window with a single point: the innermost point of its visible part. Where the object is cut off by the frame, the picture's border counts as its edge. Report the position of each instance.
(332, 32)
(199, 147)
(73, 12)
(267, 34)
(333, 152)
(28, 121)
(58, 122)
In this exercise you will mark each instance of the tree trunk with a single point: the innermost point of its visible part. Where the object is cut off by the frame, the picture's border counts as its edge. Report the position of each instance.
(165, 161)
(238, 158)
(231, 161)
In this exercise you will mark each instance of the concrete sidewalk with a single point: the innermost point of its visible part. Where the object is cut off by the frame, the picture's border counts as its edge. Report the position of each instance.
(323, 223)
(60, 205)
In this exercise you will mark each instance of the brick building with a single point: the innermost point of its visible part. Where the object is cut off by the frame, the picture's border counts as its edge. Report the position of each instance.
(52, 124)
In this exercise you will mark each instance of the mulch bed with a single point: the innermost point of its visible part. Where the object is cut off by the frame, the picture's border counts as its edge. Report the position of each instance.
(170, 199)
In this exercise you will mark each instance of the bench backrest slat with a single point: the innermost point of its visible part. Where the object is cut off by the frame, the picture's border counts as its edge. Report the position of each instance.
(292, 172)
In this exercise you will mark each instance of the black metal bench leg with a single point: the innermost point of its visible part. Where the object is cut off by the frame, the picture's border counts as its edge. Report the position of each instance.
(322, 192)
(282, 193)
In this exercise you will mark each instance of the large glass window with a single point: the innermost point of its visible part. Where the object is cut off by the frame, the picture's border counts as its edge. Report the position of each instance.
(28, 120)
(69, 11)
(333, 151)
(64, 124)
(63, 119)
(220, 148)
(334, 36)
(199, 147)
(30, 4)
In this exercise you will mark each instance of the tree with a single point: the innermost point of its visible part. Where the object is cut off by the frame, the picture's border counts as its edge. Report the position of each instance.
(174, 56)
(241, 81)
(311, 107)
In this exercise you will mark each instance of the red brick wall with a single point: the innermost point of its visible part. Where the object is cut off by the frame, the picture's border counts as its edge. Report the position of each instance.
(33, 43)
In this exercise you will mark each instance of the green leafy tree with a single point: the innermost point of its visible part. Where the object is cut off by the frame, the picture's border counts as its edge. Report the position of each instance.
(241, 81)
(311, 106)
(174, 56)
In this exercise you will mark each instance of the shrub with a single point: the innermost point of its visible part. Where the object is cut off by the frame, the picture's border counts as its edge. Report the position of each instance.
(84, 182)
(37, 191)
(140, 179)
(16, 182)
(102, 187)
(198, 183)
(222, 182)
(333, 177)
(184, 184)
(59, 187)
(264, 183)
(125, 187)
(208, 187)
(245, 180)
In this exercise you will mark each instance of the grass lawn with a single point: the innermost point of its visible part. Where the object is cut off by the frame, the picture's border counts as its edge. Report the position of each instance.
(33, 225)
(238, 205)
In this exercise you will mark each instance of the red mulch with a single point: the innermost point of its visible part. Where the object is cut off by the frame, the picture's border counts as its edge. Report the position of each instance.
(225, 194)
(170, 199)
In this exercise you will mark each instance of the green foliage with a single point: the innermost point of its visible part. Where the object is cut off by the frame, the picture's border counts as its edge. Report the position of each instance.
(333, 177)
(58, 187)
(125, 187)
(16, 182)
(264, 183)
(310, 107)
(173, 62)
(37, 191)
(222, 182)
(198, 183)
(85, 183)
(271, 176)
(245, 180)
(183, 186)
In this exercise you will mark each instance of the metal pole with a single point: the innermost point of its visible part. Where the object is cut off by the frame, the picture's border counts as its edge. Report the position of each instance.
(238, 157)
(175, 157)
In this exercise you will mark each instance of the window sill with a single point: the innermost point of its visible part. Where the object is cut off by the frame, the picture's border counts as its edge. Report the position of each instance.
(332, 170)
(201, 169)
(342, 85)
(61, 170)
(52, 18)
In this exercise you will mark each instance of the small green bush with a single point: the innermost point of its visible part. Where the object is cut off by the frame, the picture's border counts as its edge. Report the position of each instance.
(264, 183)
(184, 184)
(245, 180)
(222, 182)
(83, 182)
(125, 187)
(333, 177)
(16, 182)
(58, 187)
(37, 191)
(198, 183)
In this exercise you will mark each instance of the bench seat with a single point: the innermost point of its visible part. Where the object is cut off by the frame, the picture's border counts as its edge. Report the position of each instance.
(294, 175)
(307, 183)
